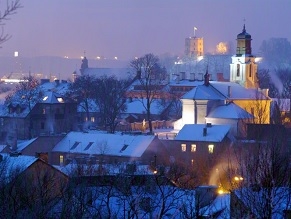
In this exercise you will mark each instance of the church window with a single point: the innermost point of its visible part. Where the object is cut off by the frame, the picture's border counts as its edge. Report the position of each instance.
(238, 70)
(210, 148)
(193, 147)
(61, 160)
(183, 147)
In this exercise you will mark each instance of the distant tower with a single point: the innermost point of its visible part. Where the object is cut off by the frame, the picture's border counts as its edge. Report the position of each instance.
(194, 46)
(84, 65)
(243, 69)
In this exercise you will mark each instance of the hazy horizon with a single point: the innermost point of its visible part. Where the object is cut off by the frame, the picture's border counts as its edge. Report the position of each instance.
(130, 28)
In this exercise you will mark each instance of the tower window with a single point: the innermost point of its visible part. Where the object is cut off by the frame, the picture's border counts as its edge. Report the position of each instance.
(238, 70)
(193, 147)
(250, 73)
(210, 148)
(183, 147)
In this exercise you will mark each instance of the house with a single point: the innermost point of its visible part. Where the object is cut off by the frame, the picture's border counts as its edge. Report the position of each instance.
(29, 184)
(54, 113)
(96, 147)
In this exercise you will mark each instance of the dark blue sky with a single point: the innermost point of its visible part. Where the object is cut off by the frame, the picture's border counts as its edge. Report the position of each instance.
(129, 28)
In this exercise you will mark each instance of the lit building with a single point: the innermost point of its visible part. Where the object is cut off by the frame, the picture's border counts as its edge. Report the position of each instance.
(194, 46)
(243, 69)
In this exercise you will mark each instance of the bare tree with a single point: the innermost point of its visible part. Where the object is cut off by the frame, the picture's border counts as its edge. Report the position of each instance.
(10, 9)
(150, 76)
(110, 99)
(82, 90)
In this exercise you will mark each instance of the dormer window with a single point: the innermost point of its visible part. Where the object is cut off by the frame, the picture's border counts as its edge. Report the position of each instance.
(60, 99)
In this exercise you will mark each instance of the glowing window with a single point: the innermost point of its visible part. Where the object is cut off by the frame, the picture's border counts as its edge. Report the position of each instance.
(92, 119)
(183, 147)
(61, 100)
(210, 148)
(61, 159)
(193, 147)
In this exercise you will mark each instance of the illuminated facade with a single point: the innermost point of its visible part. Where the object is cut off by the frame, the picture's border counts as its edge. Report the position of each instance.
(194, 47)
(243, 69)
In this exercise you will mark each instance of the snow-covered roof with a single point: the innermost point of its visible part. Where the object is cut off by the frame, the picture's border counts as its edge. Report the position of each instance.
(51, 97)
(57, 87)
(223, 90)
(118, 72)
(194, 132)
(229, 111)
(203, 92)
(103, 143)
(137, 107)
(23, 144)
(11, 164)
(185, 83)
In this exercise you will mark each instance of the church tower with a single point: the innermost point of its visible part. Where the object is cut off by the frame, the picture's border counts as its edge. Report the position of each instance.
(243, 69)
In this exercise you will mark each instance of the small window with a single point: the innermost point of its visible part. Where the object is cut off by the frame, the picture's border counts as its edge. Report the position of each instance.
(250, 73)
(61, 160)
(43, 111)
(92, 119)
(183, 147)
(210, 148)
(193, 147)
(237, 70)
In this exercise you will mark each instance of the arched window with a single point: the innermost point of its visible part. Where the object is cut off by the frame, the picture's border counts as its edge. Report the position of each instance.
(238, 70)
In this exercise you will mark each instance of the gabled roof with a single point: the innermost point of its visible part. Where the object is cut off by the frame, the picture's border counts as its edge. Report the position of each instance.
(224, 90)
(229, 111)
(194, 132)
(104, 143)
(203, 92)
(51, 97)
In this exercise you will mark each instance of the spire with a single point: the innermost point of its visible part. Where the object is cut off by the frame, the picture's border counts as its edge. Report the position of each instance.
(244, 28)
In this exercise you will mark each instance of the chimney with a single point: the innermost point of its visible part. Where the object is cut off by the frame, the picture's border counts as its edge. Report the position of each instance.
(182, 75)
(229, 91)
(192, 76)
(57, 81)
(177, 78)
(204, 131)
(206, 79)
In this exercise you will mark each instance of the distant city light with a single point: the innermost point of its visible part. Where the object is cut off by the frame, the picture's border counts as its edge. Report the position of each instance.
(66, 57)
(16, 54)
(115, 58)
(82, 57)
(98, 57)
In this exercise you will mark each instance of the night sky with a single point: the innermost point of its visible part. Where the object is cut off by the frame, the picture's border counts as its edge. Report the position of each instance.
(129, 28)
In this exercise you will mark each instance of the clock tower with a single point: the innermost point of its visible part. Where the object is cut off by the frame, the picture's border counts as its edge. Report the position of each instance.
(243, 69)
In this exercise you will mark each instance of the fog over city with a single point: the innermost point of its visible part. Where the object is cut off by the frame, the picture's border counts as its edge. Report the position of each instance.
(126, 29)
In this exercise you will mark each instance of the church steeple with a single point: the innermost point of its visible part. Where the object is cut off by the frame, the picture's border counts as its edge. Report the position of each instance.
(244, 43)
(243, 69)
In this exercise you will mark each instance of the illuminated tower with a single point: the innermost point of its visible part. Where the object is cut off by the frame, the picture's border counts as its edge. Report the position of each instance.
(243, 69)
(194, 46)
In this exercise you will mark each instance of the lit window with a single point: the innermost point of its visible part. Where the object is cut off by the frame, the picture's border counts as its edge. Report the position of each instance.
(210, 148)
(43, 111)
(183, 147)
(193, 147)
(61, 100)
(92, 119)
(61, 159)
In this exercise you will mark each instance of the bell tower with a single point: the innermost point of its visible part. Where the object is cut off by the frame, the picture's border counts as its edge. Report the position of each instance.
(243, 69)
